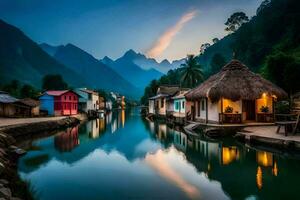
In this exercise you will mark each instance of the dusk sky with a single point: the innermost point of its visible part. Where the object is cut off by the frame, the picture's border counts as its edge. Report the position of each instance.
(158, 28)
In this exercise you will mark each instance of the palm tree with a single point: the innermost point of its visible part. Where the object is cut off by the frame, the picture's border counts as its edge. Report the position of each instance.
(191, 71)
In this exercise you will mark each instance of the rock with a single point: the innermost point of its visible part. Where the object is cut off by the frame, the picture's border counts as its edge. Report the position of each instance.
(4, 182)
(20, 152)
(5, 192)
(2, 168)
(15, 198)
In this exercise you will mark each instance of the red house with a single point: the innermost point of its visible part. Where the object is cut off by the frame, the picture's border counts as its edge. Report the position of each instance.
(62, 102)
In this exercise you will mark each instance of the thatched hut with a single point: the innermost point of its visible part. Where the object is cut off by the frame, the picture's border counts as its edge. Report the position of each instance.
(234, 95)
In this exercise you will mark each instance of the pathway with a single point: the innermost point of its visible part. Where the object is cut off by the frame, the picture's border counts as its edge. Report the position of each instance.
(17, 121)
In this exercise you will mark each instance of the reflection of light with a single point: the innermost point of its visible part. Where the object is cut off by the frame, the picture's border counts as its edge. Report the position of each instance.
(275, 169)
(229, 154)
(264, 158)
(159, 162)
(259, 178)
(123, 118)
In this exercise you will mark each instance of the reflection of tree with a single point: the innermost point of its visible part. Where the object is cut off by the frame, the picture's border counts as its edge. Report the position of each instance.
(67, 140)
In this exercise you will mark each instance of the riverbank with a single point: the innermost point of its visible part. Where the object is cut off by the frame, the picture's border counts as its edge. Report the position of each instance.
(11, 186)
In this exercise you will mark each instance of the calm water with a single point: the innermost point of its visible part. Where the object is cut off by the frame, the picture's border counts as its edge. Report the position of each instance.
(126, 157)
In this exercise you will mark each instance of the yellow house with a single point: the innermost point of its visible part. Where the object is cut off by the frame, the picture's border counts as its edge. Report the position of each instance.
(234, 95)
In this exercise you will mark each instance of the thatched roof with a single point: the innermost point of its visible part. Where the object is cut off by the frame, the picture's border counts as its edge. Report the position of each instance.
(235, 81)
(168, 89)
(29, 102)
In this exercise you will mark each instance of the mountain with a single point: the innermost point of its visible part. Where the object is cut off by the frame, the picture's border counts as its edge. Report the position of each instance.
(126, 67)
(98, 75)
(274, 28)
(22, 59)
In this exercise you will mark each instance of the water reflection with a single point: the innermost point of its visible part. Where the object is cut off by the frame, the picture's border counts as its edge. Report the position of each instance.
(126, 157)
(67, 140)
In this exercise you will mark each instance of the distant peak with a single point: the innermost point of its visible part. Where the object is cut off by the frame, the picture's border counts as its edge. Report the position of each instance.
(165, 61)
(130, 52)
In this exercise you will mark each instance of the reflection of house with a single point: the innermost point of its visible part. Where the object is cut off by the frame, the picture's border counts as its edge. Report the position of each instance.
(234, 95)
(229, 154)
(163, 102)
(59, 102)
(67, 140)
(88, 100)
(180, 140)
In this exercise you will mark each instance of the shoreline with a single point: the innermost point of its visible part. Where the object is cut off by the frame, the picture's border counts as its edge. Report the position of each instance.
(11, 185)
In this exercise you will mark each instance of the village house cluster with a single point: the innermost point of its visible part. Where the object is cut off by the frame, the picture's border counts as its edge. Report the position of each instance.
(54, 103)
(234, 95)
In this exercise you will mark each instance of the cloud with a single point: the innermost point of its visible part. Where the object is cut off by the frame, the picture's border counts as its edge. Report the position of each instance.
(166, 38)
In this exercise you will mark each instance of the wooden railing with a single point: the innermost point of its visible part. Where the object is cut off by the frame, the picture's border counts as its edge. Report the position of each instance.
(230, 118)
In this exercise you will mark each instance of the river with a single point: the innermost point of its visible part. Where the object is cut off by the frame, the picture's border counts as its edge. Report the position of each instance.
(127, 157)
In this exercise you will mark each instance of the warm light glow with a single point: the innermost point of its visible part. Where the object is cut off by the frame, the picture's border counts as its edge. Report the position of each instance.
(229, 154)
(264, 158)
(275, 169)
(234, 104)
(259, 178)
(123, 118)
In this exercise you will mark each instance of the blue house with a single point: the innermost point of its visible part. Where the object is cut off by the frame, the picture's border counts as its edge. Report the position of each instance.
(47, 103)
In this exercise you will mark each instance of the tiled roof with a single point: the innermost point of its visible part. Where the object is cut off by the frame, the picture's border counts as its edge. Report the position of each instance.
(56, 92)
(6, 98)
(29, 102)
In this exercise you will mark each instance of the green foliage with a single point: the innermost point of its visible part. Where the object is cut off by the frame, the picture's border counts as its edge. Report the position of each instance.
(17, 90)
(28, 91)
(235, 21)
(54, 82)
(217, 62)
(228, 109)
(13, 88)
(284, 70)
(192, 73)
(264, 109)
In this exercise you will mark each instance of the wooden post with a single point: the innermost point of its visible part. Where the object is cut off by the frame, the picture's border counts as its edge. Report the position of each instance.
(206, 108)
(221, 118)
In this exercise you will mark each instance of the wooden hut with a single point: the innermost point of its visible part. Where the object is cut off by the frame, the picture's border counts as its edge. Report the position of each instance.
(234, 95)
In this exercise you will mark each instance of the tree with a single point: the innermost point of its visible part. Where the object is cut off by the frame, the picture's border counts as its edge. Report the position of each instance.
(191, 72)
(215, 40)
(12, 88)
(54, 82)
(204, 47)
(262, 6)
(28, 91)
(235, 21)
(284, 70)
(217, 62)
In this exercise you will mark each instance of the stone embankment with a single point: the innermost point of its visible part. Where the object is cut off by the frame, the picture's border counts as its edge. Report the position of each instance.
(11, 186)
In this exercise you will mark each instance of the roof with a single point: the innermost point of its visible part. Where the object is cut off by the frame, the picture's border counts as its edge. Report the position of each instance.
(235, 81)
(158, 96)
(56, 92)
(88, 91)
(180, 95)
(169, 90)
(6, 98)
(29, 102)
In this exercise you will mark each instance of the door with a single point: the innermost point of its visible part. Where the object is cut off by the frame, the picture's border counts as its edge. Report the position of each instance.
(249, 109)
(193, 113)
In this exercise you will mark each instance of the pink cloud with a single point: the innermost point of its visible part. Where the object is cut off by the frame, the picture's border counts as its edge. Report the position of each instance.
(166, 38)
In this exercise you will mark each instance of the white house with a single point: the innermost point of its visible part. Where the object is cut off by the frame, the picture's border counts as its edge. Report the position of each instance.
(88, 100)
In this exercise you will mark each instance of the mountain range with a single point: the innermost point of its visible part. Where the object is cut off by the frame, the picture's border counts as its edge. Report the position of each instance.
(23, 59)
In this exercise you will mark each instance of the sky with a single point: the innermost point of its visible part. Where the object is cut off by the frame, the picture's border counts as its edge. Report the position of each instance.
(162, 29)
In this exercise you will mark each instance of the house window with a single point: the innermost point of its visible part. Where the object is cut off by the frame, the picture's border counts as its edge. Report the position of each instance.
(65, 97)
(162, 103)
(183, 104)
(70, 97)
(198, 108)
(176, 105)
(203, 104)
